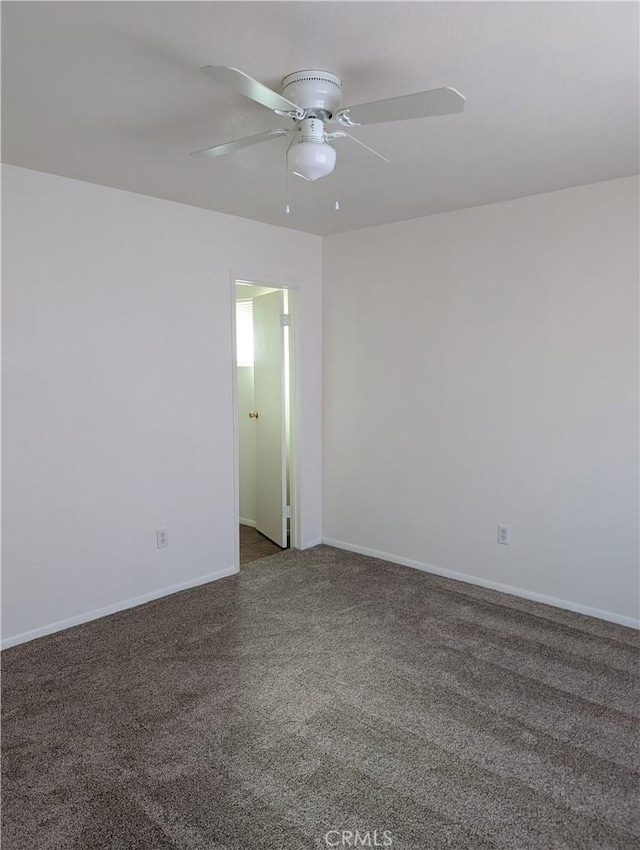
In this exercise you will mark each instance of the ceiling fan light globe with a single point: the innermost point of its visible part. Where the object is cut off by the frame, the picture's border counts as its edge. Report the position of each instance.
(312, 160)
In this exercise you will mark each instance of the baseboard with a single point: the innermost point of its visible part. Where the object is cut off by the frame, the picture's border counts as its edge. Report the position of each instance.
(578, 608)
(113, 609)
(250, 522)
(311, 543)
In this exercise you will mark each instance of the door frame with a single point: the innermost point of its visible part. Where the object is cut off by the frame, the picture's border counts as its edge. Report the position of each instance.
(295, 490)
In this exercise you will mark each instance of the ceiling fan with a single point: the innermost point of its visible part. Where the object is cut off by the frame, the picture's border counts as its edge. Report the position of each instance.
(313, 99)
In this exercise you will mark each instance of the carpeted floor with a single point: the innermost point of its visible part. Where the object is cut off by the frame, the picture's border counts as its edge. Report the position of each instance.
(318, 692)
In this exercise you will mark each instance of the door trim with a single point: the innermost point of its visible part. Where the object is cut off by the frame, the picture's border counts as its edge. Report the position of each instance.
(295, 496)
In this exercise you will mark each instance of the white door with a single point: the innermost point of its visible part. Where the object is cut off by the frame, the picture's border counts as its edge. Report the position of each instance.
(271, 451)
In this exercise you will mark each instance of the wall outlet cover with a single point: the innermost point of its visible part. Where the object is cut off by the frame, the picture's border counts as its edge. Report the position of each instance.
(504, 534)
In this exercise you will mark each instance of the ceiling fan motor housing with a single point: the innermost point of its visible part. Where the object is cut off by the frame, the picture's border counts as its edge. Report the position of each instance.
(314, 91)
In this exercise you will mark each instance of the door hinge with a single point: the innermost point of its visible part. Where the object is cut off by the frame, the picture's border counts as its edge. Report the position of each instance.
(285, 320)
(286, 511)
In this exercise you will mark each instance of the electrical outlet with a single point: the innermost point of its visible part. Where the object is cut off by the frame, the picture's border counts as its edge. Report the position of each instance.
(504, 534)
(162, 538)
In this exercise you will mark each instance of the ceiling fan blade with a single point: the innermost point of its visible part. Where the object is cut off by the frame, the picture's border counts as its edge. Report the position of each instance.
(423, 104)
(246, 85)
(247, 141)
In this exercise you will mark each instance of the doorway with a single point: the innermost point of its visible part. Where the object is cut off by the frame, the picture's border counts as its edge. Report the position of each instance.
(263, 347)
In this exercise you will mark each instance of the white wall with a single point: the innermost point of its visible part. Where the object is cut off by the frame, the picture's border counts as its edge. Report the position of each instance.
(247, 444)
(118, 413)
(481, 367)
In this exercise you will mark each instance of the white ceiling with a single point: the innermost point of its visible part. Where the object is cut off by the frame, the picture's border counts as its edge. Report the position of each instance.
(111, 93)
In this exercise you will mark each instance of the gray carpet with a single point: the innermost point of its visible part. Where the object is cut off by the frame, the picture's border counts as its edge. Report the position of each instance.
(324, 691)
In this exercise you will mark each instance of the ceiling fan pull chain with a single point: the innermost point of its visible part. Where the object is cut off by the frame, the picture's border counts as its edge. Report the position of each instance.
(362, 144)
(287, 208)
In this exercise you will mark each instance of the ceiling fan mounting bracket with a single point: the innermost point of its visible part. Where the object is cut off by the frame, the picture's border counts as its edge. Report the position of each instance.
(294, 114)
(342, 117)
